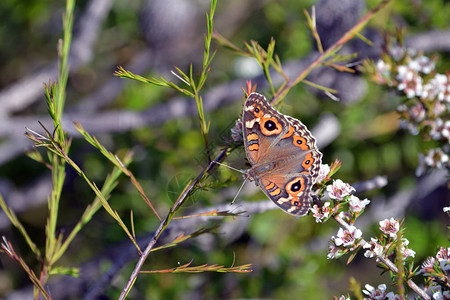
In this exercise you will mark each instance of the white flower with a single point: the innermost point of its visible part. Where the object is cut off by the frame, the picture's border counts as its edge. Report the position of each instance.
(346, 216)
(436, 88)
(397, 52)
(422, 64)
(378, 293)
(373, 248)
(436, 158)
(392, 296)
(440, 84)
(383, 71)
(445, 132)
(333, 251)
(383, 67)
(339, 190)
(417, 113)
(446, 209)
(438, 295)
(439, 108)
(390, 227)
(412, 128)
(406, 252)
(440, 129)
(321, 213)
(348, 237)
(404, 73)
(410, 81)
(323, 172)
(356, 205)
(436, 126)
(414, 65)
(443, 257)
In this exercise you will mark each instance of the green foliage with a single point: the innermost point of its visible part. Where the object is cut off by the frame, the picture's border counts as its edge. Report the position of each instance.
(169, 174)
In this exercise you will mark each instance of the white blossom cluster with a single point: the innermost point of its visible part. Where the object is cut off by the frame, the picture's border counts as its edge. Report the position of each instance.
(428, 110)
(349, 239)
(338, 191)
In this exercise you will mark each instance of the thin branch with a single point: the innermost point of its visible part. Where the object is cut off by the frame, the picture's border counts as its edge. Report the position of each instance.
(166, 221)
(121, 254)
(386, 261)
(330, 51)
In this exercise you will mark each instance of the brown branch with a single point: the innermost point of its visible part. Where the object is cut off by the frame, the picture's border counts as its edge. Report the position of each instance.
(166, 221)
(344, 39)
(122, 253)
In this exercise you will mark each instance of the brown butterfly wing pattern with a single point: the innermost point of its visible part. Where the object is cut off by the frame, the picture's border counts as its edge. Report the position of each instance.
(283, 154)
(262, 125)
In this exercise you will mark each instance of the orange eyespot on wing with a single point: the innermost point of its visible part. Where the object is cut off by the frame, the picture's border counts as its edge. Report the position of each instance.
(258, 112)
(296, 186)
(307, 163)
(270, 126)
(300, 142)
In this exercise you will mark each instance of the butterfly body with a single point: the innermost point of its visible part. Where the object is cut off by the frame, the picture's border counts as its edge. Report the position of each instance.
(283, 155)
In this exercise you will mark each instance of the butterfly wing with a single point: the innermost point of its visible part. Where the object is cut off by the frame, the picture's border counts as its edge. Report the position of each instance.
(290, 194)
(283, 154)
(262, 125)
(294, 171)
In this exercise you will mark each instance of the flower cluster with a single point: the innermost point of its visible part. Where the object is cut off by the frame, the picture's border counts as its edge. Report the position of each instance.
(438, 269)
(387, 249)
(340, 193)
(389, 246)
(390, 228)
(432, 158)
(427, 109)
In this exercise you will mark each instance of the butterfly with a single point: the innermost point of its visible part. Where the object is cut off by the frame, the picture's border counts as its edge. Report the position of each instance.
(284, 159)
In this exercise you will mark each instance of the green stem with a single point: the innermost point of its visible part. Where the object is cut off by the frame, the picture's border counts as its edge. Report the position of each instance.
(56, 107)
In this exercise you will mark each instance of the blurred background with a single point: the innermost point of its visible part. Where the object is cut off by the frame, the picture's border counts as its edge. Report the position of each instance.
(288, 255)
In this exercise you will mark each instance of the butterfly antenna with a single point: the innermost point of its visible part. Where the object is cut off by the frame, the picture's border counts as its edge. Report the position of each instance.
(240, 171)
(239, 191)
